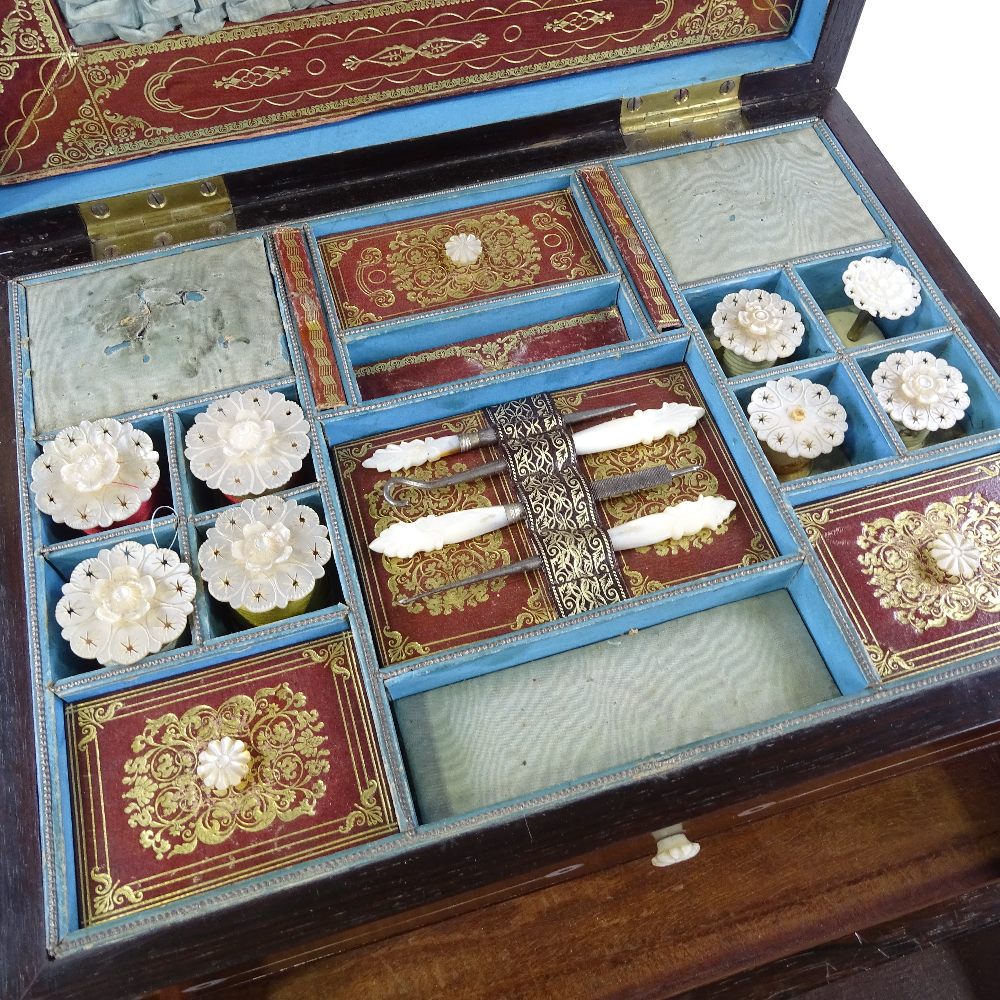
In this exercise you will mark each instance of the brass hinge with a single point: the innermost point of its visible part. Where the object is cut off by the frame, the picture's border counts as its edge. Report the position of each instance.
(144, 220)
(701, 111)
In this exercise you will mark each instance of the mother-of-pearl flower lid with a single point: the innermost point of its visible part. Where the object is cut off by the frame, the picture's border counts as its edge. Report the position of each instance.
(797, 417)
(127, 602)
(248, 443)
(264, 554)
(758, 325)
(95, 474)
(881, 287)
(920, 391)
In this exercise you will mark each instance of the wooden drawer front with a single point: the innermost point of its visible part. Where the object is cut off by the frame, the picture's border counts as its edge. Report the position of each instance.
(390, 271)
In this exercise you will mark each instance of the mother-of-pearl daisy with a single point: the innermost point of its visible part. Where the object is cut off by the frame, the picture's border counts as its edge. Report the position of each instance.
(263, 555)
(756, 328)
(129, 601)
(249, 443)
(956, 555)
(463, 249)
(96, 474)
(796, 420)
(223, 763)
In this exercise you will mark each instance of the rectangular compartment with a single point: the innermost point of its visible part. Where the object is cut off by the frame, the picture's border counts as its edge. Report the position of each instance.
(483, 616)
(578, 714)
(880, 548)
(401, 268)
(147, 829)
(474, 345)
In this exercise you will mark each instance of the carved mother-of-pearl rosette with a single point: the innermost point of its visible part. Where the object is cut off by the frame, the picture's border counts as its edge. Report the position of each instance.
(956, 555)
(756, 328)
(249, 443)
(264, 557)
(463, 249)
(879, 287)
(128, 602)
(223, 763)
(921, 393)
(796, 420)
(95, 475)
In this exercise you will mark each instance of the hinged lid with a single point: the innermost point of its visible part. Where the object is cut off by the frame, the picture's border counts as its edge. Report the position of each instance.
(160, 217)
(684, 115)
(367, 73)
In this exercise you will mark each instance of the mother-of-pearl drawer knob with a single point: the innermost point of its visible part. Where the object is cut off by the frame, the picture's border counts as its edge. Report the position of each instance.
(673, 849)
(223, 763)
(956, 555)
(463, 249)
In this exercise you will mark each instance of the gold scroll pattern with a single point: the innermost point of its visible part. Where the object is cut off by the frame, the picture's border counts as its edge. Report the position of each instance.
(420, 269)
(579, 21)
(715, 21)
(895, 557)
(174, 811)
(494, 355)
(248, 77)
(96, 132)
(110, 894)
(400, 54)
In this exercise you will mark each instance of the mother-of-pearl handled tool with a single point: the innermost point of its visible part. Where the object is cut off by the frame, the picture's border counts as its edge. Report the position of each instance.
(420, 451)
(401, 540)
(640, 427)
(685, 518)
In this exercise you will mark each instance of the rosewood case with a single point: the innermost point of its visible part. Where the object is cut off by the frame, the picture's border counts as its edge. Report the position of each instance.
(480, 736)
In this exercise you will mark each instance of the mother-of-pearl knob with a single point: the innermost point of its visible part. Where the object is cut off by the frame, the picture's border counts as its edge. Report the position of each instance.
(956, 555)
(223, 763)
(463, 249)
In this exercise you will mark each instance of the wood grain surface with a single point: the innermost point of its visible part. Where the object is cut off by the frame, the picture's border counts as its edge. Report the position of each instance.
(753, 896)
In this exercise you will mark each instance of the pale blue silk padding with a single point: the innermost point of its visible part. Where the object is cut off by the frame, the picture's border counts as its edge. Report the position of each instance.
(140, 21)
(508, 734)
(748, 204)
(145, 333)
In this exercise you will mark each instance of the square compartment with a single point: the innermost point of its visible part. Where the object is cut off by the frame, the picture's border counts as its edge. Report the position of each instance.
(864, 440)
(220, 620)
(49, 532)
(144, 333)
(983, 414)
(198, 497)
(825, 281)
(704, 300)
(748, 202)
(54, 568)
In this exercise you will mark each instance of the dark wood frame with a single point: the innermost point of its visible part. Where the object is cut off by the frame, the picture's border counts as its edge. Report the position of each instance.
(859, 741)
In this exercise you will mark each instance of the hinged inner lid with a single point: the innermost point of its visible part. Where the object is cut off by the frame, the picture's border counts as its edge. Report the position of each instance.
(407, 69)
